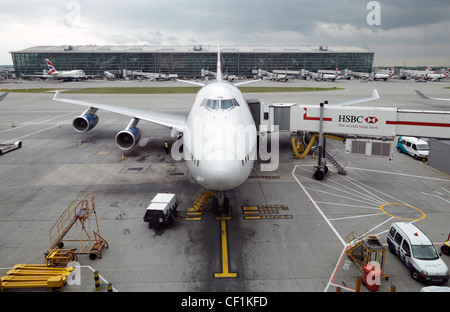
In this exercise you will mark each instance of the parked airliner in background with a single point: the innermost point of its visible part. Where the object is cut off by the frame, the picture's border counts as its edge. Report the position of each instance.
(438, 77)
(331, 77)
(382, 76)
(218, 135)
(325, 76)
(418, 73)
(66, 75)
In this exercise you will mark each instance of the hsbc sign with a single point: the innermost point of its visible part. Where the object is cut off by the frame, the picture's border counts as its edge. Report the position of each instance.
(365, 124)
(349, 120)
(357, 119)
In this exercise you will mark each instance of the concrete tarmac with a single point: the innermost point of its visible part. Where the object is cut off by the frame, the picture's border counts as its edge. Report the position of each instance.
(295, 240)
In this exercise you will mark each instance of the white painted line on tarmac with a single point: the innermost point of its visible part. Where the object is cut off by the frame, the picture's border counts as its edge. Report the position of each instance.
(366, 193)
(358, 216)
(401, 174)
(346, 197)
(317, 207)
(36, 132)
(347, 205)
(101, 277)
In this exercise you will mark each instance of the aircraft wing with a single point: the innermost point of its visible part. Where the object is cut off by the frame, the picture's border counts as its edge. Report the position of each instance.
(375, 96)
(175, 122)
(245, 82)
(423, 96)
(201, 84)
(36, 76)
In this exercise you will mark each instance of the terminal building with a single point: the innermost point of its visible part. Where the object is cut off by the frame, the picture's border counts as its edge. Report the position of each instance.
(191, 61)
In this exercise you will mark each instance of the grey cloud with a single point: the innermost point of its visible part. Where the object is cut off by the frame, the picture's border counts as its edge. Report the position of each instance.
(404, 23)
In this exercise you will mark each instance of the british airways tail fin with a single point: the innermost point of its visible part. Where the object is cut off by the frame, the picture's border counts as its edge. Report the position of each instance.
(51, 68)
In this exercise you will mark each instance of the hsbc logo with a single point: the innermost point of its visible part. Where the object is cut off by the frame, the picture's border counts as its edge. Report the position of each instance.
(357, 119)
(371, 120)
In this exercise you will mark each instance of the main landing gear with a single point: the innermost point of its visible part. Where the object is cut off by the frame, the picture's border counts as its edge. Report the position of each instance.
(220, 203)
(320, 172)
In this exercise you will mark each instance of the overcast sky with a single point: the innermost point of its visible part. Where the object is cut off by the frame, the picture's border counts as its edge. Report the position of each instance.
(400, 32)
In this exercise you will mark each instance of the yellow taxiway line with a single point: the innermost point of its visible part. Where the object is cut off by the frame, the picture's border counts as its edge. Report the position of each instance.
(225, 263)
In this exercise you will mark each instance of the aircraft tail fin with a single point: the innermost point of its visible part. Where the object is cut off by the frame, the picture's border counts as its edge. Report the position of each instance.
(51, 68)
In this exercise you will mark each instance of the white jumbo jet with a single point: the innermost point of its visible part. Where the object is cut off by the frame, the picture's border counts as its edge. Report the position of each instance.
(64, 74)
(219, 135)
(52, 73)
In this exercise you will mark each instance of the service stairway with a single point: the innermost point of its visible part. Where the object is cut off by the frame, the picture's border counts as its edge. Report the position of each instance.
(81, 210)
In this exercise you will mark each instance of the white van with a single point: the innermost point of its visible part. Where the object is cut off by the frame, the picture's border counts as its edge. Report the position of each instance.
(415, 147)
(417, 251)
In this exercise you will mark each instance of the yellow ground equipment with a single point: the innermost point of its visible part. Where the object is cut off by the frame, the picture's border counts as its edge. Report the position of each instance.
(297, 146)
(60, 256)
(365, 249)
(35, 276)
(446, 246)
(301, 151)
(203, 201)
(82, 211)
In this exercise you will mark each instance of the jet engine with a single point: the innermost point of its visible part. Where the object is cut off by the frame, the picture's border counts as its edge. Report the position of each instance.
(86, 121)
(129, 137)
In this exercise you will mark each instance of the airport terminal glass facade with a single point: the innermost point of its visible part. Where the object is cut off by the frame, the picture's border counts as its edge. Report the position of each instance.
(189, 61)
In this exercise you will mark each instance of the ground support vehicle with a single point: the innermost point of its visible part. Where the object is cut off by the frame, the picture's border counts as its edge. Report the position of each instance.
(5, 148)
(162, 210)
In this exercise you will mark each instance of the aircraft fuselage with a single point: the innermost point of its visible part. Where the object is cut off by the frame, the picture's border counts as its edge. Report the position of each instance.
(219, 140)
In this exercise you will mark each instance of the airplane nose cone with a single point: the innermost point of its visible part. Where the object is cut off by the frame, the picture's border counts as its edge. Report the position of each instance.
(221, 171)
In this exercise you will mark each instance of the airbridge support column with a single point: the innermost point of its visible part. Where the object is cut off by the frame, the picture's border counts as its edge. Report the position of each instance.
(321, 169)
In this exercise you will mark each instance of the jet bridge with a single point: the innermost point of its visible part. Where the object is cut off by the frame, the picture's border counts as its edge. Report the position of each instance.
(376, 127)
(371, 121)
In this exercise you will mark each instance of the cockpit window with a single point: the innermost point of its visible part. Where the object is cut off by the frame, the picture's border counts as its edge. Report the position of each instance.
(226, 104)
(222, 104)
(213, 104)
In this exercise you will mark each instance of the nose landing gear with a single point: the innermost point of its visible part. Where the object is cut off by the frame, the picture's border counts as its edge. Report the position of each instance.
(220, 203)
